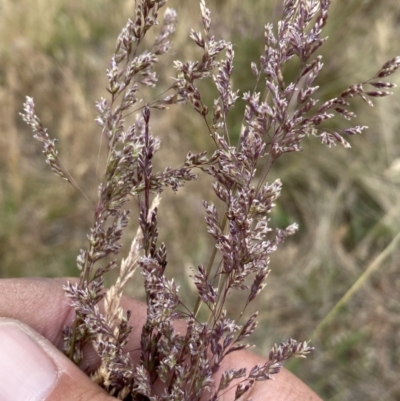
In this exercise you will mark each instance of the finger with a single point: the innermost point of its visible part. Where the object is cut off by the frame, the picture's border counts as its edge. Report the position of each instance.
(31, 368)
(42, 304)
(38, 302)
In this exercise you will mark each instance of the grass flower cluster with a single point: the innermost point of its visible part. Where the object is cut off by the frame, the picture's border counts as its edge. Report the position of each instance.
(279, 114)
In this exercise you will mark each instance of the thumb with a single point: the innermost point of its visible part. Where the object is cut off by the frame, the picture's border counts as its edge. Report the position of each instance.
(32, 369)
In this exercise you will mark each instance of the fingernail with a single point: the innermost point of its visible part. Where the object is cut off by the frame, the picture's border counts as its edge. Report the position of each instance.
(26, 372)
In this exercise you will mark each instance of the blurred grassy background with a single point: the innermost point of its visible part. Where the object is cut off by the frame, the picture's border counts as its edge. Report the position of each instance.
(347, 202)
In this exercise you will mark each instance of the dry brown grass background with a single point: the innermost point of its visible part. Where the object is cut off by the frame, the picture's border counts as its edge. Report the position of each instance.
(347, 202)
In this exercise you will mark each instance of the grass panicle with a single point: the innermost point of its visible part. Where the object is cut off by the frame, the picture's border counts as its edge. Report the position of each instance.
(280, 112)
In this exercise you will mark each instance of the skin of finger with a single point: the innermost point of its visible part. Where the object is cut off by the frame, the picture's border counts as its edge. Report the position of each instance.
(38, 302)
(41, 304)
(71, 383)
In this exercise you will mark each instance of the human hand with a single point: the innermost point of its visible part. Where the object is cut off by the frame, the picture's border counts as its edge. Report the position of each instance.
(32, 367)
